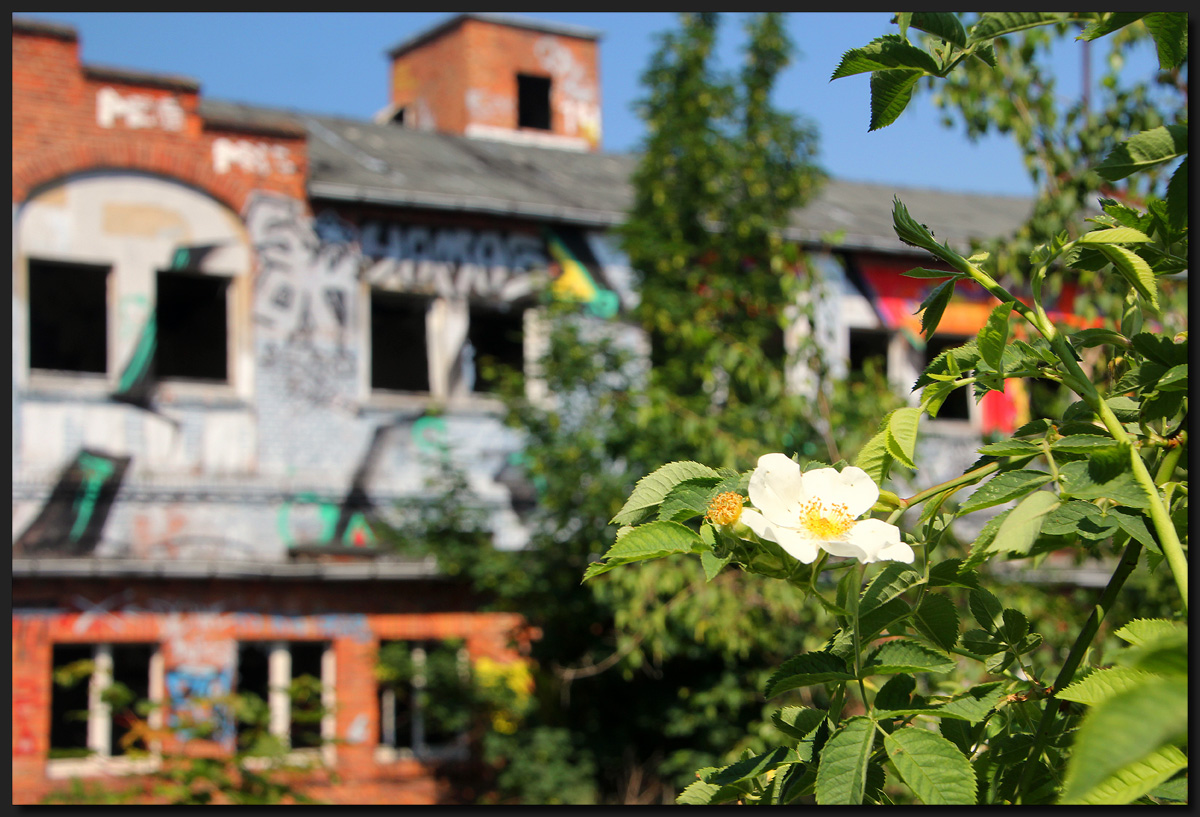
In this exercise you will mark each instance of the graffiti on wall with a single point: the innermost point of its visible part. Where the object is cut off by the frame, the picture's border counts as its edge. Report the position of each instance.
(262, 158)
(138, 111)
(576, 94)
(73, 516)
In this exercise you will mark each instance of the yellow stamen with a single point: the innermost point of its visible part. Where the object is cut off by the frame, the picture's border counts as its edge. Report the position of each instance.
(726, 508)
(825, 521)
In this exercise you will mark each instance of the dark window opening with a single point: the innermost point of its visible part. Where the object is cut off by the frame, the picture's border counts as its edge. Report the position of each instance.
(192, 327)
(398, 117)
(69, 700)
(497, 338)
(869, 348)
(956, 406)
(533, 102)
(68, 317)
(253, 678)
(399, 353)
(424, 695)
(396, 694)
(305, 729)
(131, 669)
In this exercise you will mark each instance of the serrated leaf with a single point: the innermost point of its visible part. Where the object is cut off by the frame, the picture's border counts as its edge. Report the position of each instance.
(891, 91)
(1013, 626)
(1170, 32)
(1148, 718)
(902, 430)
(1079, 517)
(1135, 525)
(942, 24)
(937, 619)
(1135, 780)
(981, 643)
(1108, 23)
(704, 794)
(1135, 270)
(1144, 150)
(805, 670)
(1097, 336)
(687, 499)
(713, 564)
(751, 766)
(1004, 487)
(933, 767)
(874, 457)
(993, 337)
(1175, 790)
(1020, 529)
(1176, 379)
(797, 721)
(653, 488)
(950, 573)
(908, 230)
(892, 580)
(905, 656)
(650, 541)
(1160, 349)
(1148, 630)
(1085, 444)
(1103, 684)
(1167, 655)
(1079, 481)
(1010, 448)
(894, 694)
(980, 547)
(1114, 235)
(1177, 197)
(997, 24)
(986, 609)
(842, 775)
(939, 274)
(883, 53)
(974, 704)
(933, 307)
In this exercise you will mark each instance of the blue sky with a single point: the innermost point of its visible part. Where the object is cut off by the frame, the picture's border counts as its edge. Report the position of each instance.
(335, 63)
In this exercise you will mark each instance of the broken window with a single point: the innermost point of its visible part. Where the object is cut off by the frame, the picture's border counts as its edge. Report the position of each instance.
(192, 326)
(68, 317)
(869, 351)
(95, 697)
(288, 679)
(496, 334)
(533, 102)
(956, 406)
(424, 697)
(399, 349)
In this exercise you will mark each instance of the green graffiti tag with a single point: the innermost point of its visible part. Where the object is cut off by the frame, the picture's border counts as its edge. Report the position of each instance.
(96, 471)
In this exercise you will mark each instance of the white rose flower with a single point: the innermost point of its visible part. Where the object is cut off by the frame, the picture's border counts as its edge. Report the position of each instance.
(809, 512)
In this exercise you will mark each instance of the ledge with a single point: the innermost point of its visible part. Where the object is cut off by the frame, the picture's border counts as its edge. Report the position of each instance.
(282, 571)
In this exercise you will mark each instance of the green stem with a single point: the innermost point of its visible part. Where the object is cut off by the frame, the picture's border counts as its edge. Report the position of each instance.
(1129, 560)
(862, 691)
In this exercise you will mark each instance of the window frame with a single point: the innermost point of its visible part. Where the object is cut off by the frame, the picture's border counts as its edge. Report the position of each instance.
(417, 748)
(279, 678)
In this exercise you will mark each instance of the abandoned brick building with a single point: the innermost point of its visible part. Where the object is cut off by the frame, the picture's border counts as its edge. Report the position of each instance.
(231, 328)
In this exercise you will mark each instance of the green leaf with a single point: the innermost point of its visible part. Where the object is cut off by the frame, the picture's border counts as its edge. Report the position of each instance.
(797, 721)
(1021, 528)
(1085, 444)
(1103, 684)
(1175, 789)
(933, 767)
(942, 24)
(713, 564)
(1004, 487)
(909, 231)
(888, 51)
(805, 670)
(842, 775)
(980, 547)
(1143, 151)
(974, 704)
(1170, 32)
(1013, 626)
(986, 609)
(687, 499)
(650, 541)
(1160, 349)
(1145, 719)
(1176, 379)
(1080, 480)
(993, 337)
(1166, 655)
(905, 656)
(704, 794)
(934, 306)
(895, 693)
(891, 91)
(1114, 235)
(997, 24)
(1081, 518)
(892, 580)
(937, 619)
(1010, 448)
(751, 767)
(902, 434)
(1177, 197)
(939, 274)
(950, 573)
(1108, 23)
(1148, 630)
(874, 457)
(1097, 336)
(654, 487)
(1135, 269)
(1135, 780)
(1135, 525)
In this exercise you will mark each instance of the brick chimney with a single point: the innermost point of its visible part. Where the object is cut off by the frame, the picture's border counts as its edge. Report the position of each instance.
(493, 76)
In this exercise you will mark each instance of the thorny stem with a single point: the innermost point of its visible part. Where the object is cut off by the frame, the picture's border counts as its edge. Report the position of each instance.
(1083, 641)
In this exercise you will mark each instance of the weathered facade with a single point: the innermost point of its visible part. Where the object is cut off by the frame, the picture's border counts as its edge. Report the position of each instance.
(239, 335)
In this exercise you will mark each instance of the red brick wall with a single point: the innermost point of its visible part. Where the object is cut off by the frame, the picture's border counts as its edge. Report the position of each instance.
(56, 132)
(353, 616)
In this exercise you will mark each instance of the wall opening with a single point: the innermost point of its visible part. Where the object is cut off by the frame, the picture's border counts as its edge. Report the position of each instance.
(131, 669)
(869, 348)
(306, 712)
(533, 102)
(956, 406)
(192, 324)
(497, 337)
(68, 317)
(72, 667)
(399, 350)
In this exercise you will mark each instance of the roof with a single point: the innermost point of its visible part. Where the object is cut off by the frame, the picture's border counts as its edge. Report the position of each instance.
(153, 79)
(234, 570)
(59, 31)
(563, 29)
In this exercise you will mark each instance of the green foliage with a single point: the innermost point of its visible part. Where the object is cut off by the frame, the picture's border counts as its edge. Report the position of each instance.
(1105, 476)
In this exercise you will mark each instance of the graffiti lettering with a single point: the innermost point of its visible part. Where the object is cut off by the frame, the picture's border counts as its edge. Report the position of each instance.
(138, 111)
(194, 698)
(262, 158)
(358, 532)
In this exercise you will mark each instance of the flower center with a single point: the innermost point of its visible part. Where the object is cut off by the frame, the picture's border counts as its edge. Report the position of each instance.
(825, 521)
(726, 508)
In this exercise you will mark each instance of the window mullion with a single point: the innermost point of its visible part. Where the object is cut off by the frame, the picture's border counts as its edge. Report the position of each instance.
(279, 679)
(99, 729)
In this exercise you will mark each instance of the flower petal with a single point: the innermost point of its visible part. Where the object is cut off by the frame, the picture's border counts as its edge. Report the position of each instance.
(878, 540)
(853, 487)
(756, 522)
(797, 544)
(776, 488)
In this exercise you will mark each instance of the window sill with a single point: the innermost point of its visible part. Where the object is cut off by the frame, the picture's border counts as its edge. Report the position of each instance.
(430, 754)
(184, 392)
(80, 385)
(477, 403)
(97, 766)
(297, 758)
